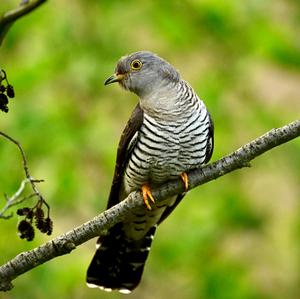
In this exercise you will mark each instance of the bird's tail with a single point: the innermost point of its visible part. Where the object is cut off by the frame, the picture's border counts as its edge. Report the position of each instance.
(118, 263)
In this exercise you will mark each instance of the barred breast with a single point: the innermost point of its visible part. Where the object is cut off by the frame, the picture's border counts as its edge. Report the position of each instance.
(164, 149)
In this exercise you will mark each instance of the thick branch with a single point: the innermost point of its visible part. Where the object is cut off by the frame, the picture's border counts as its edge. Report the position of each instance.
(10, 17)
(101, 223)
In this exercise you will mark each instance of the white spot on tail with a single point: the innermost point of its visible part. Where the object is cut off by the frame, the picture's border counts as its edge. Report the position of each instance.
(124, 291)
(91, 285)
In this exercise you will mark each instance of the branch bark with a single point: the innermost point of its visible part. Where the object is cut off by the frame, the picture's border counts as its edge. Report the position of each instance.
(7, 20)
(100, 224)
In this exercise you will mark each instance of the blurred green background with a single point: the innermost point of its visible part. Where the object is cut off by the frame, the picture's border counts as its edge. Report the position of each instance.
(234, 238)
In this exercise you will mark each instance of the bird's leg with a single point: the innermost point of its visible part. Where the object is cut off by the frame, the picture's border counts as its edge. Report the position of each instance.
(185, 179)
(146, 195)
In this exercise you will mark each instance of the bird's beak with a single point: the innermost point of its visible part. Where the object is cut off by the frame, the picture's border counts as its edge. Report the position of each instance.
(114, 78)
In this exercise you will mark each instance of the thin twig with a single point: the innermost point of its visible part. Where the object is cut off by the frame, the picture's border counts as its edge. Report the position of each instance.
(13, 200)
(15, 197)
(7, 20)
(21, 151)
(67, 242)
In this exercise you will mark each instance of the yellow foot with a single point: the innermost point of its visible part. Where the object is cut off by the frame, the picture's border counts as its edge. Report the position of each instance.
(146, 195)
(185, 179)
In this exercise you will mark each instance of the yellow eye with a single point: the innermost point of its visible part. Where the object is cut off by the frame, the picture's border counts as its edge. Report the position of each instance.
(136, 65)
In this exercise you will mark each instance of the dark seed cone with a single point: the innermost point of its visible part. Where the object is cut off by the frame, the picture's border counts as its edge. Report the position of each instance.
(40, 225)
(39, 214)
(3, 102)
(39, 219)
(3, 99)
(49, 226)
(10, 91)
(26, 231)
(23, 226)
(30, 214)
(23, 211)
(30, 234)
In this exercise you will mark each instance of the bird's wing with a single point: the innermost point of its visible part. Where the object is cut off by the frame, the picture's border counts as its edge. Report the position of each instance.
(210, 141)
(126, 143)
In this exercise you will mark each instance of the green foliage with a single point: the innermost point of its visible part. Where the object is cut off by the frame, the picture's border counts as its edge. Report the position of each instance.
(235, 238)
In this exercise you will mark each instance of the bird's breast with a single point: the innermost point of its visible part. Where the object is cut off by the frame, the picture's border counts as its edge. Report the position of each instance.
(164, 150)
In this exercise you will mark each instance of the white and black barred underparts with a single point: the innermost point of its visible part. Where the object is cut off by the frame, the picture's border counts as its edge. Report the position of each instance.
(162, 150)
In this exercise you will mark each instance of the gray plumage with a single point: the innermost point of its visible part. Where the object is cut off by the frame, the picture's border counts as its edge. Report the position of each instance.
(170, 132)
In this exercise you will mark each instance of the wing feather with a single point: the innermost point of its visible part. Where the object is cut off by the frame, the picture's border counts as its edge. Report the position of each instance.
(210, 142)
(126, 143)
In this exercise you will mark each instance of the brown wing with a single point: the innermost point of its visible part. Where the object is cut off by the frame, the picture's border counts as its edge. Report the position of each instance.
(125, 144)
(210, 143)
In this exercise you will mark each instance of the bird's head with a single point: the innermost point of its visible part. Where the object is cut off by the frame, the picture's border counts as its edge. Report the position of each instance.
(143, 72)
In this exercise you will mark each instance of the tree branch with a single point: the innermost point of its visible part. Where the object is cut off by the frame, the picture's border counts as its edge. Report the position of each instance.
(100, 224)
(7, 20)
(15, 198)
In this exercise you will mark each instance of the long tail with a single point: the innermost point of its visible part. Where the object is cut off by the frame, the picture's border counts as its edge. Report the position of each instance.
(118, 263)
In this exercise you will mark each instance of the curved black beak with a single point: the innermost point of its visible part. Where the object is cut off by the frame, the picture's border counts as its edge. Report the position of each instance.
(114, 78)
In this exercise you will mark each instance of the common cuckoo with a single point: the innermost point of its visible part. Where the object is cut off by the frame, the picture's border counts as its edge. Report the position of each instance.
(169, 133)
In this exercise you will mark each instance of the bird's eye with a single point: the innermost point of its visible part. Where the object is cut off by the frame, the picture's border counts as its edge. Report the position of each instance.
(136, 65)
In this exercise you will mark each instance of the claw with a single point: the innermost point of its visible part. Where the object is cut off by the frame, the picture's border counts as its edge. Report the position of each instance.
(146, 195)
(185, 179)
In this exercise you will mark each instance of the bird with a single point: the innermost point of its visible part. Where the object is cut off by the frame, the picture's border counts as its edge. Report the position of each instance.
(169, 133)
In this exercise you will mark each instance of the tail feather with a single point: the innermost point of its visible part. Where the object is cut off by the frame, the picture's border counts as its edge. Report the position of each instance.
(118, 263)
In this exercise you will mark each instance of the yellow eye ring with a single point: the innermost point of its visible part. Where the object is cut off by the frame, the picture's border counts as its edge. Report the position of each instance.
(136, 65)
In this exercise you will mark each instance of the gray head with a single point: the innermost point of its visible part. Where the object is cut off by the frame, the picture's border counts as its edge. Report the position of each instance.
(143, 72)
